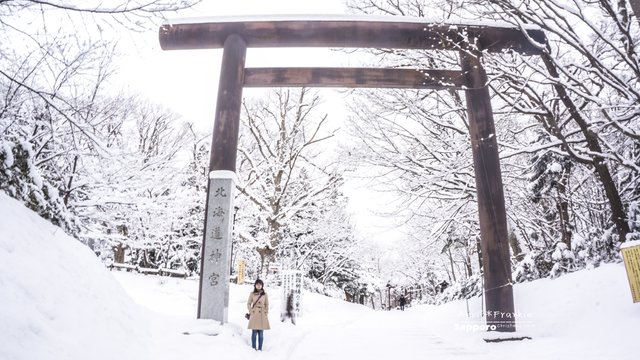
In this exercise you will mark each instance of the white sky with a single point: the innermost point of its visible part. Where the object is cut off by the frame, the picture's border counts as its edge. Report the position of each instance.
(186, 81)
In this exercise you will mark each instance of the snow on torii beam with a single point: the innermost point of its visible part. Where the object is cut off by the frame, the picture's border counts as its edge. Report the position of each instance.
(235, 35)
(348, 32)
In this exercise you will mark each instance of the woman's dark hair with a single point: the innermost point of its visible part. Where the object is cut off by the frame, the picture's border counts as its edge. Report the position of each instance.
(258, 281)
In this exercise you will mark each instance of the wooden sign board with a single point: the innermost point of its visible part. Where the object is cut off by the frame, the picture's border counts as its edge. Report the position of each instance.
(241, 268)
(631, 256)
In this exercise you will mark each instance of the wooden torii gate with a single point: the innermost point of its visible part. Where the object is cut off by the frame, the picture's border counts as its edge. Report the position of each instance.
(235, 35)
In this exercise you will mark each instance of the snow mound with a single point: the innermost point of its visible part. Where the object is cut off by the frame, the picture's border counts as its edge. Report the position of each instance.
(57, 301)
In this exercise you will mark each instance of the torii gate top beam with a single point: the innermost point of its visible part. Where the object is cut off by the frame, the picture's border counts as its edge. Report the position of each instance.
(340, 32)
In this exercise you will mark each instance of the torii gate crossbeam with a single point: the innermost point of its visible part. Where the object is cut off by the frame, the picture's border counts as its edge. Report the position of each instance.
(235, 35)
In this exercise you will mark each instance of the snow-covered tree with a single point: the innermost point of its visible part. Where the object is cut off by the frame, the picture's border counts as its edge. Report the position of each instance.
(55, 60)
(591, 76)
(287, 184)
(567, 127)
(64, 132)
(27, 148)
(134, 201)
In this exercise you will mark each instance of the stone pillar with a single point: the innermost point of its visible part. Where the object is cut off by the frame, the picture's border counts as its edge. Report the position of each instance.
(214, 280)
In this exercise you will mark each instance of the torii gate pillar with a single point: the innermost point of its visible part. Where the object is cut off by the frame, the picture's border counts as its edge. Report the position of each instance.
(236, 34)
(496, 263)
(213, 299)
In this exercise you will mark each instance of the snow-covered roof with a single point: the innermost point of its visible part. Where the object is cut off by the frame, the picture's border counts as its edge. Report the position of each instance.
(223, 174)
(630, 244)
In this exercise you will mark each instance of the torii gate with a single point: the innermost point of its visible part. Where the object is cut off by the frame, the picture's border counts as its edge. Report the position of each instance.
(234, 35)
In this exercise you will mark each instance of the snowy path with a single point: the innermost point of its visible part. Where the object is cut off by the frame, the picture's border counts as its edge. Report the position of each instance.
(329, 329)
(336, 330)
(380, 335)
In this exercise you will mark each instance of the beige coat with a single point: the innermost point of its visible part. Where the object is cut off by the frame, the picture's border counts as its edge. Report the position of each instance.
(259, 319)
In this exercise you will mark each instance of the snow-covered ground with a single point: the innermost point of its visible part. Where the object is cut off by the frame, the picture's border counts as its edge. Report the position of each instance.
(58, 302)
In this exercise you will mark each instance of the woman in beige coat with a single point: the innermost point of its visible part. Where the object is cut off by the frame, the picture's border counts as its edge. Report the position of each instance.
(258, 305)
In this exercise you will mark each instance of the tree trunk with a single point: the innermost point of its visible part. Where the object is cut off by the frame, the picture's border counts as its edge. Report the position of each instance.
(635, 5)
(563, 211)
(467, 263)
(67, 193)
(118, 253)
(453, 272)
(266, 253)
(516, 249)
(479, 248)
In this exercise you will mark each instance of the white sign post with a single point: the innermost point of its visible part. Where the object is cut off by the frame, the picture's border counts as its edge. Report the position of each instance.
(291, 286)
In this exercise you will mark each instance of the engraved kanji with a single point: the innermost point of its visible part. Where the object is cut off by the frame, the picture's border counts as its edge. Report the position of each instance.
(220, 192)
(217, 233)
(213, 279)
(215, 256)
(217, 212)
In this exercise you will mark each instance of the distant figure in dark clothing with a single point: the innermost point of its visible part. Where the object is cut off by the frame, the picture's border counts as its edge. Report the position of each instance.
(442, 286)
(403, 302)
(289, 310)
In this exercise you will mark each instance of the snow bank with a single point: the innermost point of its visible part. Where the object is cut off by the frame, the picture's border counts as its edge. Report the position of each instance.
(57, 301)
(588, 314)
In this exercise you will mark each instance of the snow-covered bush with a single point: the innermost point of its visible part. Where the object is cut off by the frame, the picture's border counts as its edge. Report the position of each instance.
(21, 179)
(586, 252)
(462, 289)
(563, 260)
(634, 221)
(529, 268)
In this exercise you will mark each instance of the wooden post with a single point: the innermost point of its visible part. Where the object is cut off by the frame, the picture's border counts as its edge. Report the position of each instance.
(498, 290)
(213, 298)
(227, 122)
(635, 6)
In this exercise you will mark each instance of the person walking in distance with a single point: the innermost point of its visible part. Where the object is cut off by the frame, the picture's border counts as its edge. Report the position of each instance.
(403, 302)
(258, 306)
(288, 314)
